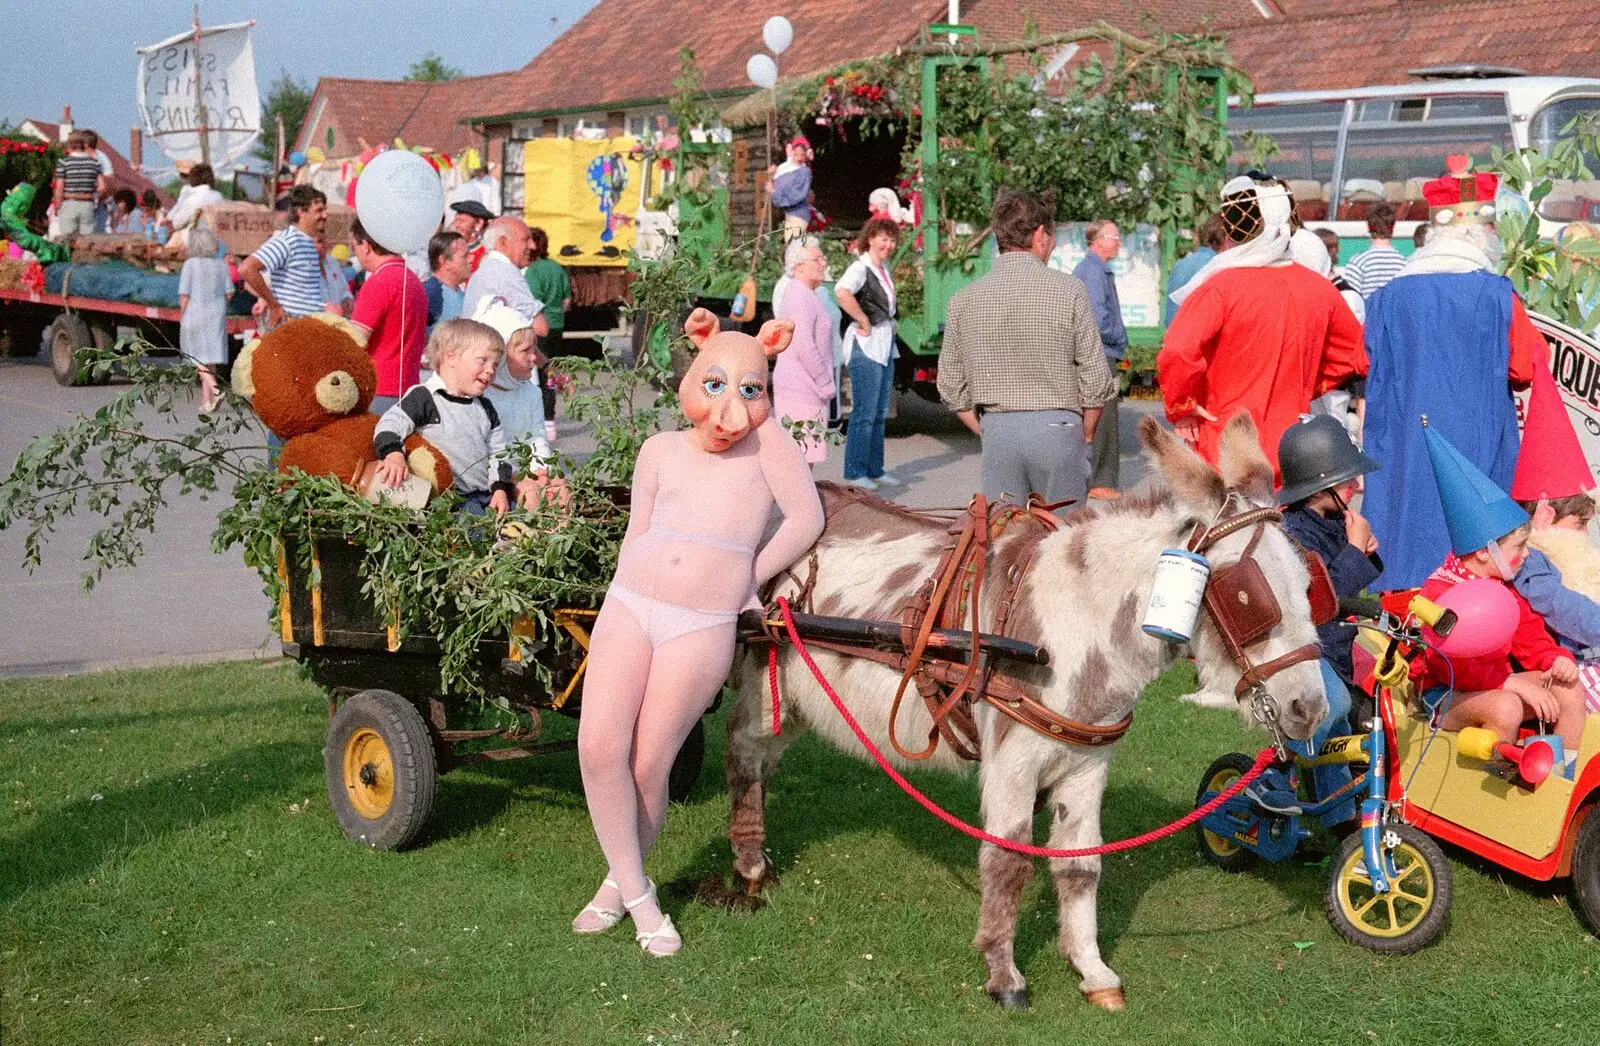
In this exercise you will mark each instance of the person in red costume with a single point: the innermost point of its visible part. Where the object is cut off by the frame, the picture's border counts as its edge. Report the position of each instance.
(1254, 331)
(692, 557)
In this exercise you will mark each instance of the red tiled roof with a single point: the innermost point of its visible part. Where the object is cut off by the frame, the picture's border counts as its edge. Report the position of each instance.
(626, 51)
(123, 176)
(426, 114)
(1380, 42)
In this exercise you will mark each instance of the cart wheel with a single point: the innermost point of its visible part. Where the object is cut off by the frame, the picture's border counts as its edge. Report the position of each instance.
(379, 768)
(1219, 850)
(68, 334)
(1586, 869)
(686, 768)
(1406, 918)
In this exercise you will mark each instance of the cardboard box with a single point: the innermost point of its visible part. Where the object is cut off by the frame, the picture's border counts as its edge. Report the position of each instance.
(242, 227)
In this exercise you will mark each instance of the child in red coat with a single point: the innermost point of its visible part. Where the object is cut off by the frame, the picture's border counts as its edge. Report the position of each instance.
(1489, 691)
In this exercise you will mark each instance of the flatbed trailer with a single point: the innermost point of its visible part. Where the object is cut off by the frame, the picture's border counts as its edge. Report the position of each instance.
(74, 323)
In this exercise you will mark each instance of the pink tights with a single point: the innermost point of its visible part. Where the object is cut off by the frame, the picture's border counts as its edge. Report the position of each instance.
(639, 704)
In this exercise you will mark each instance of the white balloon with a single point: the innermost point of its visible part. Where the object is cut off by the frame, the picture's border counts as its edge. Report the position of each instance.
(762, 70)
(399, 199)
(778, 34)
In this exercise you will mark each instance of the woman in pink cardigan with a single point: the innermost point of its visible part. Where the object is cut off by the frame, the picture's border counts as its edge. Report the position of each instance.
(803, 380)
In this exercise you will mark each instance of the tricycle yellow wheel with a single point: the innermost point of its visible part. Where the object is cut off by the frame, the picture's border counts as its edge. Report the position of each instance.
(368, 773)
(1218, 849)
(1407, 916)
(379, 769)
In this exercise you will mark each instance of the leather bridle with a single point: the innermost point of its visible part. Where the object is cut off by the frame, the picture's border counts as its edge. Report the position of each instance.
(1244, 608)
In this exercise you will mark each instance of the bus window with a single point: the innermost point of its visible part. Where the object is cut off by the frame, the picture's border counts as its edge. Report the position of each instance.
(1399, 143)
(1395, 153)
(1568, 200)
(1305, 134)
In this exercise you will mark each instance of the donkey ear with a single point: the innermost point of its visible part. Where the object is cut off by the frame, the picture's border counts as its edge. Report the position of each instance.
(775, 336)
(1192, 480)
(1245, 467)
(701, 327)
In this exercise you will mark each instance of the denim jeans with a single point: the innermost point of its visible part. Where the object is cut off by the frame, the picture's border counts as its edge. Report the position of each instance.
(871, 385)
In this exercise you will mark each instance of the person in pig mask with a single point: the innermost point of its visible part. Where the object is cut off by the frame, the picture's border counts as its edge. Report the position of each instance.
(692, 558)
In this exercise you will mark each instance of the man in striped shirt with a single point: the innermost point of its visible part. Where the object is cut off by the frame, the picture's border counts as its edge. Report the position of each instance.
(1380, 263)
(291, 260)
(78, 180)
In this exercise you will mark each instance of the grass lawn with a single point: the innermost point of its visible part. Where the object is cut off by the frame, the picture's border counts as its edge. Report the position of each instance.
(170, 873)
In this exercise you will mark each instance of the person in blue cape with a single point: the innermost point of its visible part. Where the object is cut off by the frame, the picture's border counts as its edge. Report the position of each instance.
(789, 183)
(1448, 338)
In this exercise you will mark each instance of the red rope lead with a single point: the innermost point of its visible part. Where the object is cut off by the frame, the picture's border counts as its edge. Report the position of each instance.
(772, 683)
(1263, 760)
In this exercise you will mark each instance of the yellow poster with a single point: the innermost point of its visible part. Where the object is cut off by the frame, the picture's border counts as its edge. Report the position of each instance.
(584, 195)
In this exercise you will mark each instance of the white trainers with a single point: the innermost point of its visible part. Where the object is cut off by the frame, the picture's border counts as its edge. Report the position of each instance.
(864, 482)
(887, 480)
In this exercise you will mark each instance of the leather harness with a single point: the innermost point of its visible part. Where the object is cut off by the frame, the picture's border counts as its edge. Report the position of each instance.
(952, 596)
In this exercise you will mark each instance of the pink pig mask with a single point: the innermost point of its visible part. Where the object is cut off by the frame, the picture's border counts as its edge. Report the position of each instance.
(724, 393)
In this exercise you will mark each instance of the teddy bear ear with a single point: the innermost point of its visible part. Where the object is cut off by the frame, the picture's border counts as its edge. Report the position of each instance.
(775, 336)
(356, 334)
(243, 381)
(701, 327)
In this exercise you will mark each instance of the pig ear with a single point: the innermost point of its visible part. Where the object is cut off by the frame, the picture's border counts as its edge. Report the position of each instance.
(775, 336)
(701, 327)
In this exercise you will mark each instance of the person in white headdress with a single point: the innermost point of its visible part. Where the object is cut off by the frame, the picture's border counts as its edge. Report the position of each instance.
(1254, 331)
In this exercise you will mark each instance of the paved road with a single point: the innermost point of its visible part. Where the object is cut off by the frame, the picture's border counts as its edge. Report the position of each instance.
(184, 603)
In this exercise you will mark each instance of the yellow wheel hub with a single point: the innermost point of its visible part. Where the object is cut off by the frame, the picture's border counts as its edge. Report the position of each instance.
(368, 773)
(1393, 914)
(1220, 845)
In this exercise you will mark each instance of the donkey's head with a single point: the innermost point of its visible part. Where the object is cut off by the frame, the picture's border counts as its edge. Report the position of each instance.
(1248, 633)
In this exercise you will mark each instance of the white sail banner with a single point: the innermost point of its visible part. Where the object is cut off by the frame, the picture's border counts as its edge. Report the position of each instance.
(174, 102)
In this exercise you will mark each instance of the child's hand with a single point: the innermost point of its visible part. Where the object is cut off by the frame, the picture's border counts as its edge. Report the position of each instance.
(500, 503)
(542, 487)
(1358, 532)
(1539, 700)
(392, 470)
(1564, 672)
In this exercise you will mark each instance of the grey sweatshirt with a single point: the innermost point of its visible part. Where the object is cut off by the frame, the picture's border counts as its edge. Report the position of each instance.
(466, 429)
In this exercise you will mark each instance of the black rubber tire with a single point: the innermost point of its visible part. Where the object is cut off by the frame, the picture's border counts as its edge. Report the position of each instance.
(686, 767)
(384, 734)
(1416, 929)
(68, 334)
(1586, 870)
(1230, 857)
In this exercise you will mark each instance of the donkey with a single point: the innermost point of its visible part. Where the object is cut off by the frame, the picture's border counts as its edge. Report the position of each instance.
(1082, 601)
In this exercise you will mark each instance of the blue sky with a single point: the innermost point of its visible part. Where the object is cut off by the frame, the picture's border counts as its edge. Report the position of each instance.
(81, 52)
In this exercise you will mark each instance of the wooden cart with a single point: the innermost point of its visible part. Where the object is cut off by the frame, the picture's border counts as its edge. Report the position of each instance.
(390, 730)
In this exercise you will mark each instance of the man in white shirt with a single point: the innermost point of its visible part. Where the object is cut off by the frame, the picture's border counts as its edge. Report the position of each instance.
(509, 247)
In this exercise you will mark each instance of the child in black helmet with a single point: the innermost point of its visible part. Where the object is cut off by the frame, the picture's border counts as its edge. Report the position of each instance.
(1322, 471)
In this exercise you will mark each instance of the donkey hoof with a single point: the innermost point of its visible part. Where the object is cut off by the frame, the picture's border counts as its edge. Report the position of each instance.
(1011, 998)
(1107, 999)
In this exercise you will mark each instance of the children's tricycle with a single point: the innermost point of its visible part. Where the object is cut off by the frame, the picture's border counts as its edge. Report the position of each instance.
(1399, 784)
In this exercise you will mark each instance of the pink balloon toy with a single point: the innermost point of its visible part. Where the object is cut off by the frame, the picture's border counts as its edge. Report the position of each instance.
(1486, 617)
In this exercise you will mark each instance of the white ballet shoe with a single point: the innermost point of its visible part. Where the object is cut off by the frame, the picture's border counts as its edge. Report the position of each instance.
(666, 933)
(606, 918)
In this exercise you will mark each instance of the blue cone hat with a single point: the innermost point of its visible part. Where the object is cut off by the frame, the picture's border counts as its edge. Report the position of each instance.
(1476, 512)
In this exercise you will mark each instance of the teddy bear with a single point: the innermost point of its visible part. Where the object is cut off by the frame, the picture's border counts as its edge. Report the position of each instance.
(311, 382)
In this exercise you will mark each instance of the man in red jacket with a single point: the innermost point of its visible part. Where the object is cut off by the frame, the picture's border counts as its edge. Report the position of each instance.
(1489, 539)
(1254, 331)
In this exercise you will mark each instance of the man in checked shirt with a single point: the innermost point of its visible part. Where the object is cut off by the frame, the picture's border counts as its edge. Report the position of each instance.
(1022, 365)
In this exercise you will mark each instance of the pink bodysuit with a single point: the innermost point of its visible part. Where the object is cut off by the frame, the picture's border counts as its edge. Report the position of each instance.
(663, 643)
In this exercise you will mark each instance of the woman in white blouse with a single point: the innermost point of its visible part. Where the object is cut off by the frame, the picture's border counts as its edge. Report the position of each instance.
(866, 295)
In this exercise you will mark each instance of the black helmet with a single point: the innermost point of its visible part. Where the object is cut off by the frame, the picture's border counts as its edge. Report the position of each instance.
(1316, 453)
